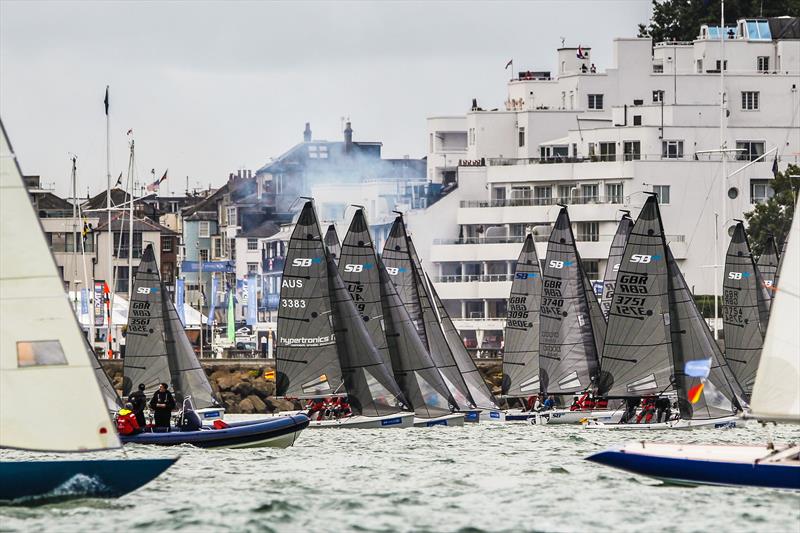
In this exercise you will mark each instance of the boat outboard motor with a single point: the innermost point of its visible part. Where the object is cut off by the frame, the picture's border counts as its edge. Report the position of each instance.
(189, 420)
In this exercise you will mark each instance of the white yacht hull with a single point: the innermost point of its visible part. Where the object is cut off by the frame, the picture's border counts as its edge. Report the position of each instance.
(396, 420)
(565, 416)
(516, 416)
(455, 419)
(714, 423)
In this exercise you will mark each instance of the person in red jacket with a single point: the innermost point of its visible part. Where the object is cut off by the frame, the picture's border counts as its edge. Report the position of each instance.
(126, 421)
(648, 410)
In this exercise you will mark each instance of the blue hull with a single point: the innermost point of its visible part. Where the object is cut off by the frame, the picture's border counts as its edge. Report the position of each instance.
(694, 471)
(46, 481)
(238, 434)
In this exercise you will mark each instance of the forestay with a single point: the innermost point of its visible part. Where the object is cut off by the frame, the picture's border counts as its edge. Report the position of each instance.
(521, 348)
(156, 347)
(614, 257)
(776, 395)
(570, 342)
(307, 363)
(49, 396)
(637, 359)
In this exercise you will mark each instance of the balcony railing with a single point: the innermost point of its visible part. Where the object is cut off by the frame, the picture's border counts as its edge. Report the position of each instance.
(579, 237)
(466, 278)
(576, 199)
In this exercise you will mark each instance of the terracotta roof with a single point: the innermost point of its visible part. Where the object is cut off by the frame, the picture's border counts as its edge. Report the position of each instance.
(118, 223)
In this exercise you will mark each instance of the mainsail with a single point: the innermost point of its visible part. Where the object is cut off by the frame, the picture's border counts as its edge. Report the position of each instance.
(332, 243)
(637, 359)
(307, 362)
(49, 396)
(571, 323)
(768, 262)
(744, 310)
(521, 348)
(776, 395)
(156, 348)
(397, 261)
(614, 257)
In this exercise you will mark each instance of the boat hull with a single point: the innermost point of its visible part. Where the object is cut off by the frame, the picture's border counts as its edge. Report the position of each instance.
(209, 414)
(45, 481)
(397, 420)
(278, 432)
(472, 417)
(565, 416)
(703, 465)
(493, 415)
(714, 423)
(453, 420)
(516, 416)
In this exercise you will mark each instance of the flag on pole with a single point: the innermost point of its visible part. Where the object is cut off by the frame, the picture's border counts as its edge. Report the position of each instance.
(510, 63)
(231, 325)
(180, 298)
(119, 180)
(153, 187)
(212, 305)
(130, 132)
(580, 53)
(775, 166)
(105, 100)
(252, 304)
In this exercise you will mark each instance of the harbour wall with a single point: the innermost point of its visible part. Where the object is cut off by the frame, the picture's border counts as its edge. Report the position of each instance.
(242, 386)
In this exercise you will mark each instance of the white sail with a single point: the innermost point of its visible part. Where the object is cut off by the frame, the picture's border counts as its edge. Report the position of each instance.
(49, 397)
(776, 393)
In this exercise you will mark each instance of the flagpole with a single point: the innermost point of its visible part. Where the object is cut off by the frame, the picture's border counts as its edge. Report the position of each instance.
(110, 281)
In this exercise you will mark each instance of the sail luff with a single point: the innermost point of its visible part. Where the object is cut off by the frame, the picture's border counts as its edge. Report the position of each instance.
(614, 257)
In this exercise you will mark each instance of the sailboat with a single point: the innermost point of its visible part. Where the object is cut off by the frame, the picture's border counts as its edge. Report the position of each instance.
(658, 343)
(43, 355)
(745, 309)
(614, 257)
(776, 398)
(572, 328)
(332, 243)
(324, 348)
(768, 263)
(391, 329)
(403, 264)
(521, 349)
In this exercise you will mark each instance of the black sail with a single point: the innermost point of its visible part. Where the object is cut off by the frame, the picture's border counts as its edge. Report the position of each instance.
(397, 260)
(614, 257)
(744, 313)
(637, 358)
(112, 399)
(521, 348)
(307, 362)
(768, 263)
(370, 385)
(156, 347)
(418, 377)
(569, 342)
(780, 263)
(482, 397)
(716, 394)
(332, 243)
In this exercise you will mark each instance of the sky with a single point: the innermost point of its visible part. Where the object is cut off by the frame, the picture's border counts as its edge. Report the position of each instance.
(212, 87)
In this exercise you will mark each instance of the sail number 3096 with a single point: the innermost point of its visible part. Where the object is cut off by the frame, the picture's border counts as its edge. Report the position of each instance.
(295, 304)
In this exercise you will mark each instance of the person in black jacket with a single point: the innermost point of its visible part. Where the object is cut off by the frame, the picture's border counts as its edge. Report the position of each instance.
(162, 403)
(138, 400)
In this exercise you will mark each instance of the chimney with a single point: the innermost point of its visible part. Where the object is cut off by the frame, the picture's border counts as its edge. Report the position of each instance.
(307, 132)
(348, 137)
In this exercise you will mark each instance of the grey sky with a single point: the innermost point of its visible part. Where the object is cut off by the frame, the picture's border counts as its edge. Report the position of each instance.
(209, 87)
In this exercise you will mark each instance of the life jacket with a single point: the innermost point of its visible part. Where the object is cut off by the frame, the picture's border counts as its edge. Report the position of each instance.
(126, 422)
(601, 403)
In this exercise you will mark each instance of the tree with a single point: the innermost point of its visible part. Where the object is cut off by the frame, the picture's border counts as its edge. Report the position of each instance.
(680, 20)
(774, 217)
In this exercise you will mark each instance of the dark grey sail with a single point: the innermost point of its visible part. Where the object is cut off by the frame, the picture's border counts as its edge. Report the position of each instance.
(569, 342)
(112, 399)
(521, 348)
(705, 384)
(417, 375)
(768, 263)
(780, 264)
(332, 243)
(370, 385)
(637, 358)
(744, 317)
(397, 260)
(156, 347)
(359, 271)
(307, 362)
(479, 391)
(614, 257)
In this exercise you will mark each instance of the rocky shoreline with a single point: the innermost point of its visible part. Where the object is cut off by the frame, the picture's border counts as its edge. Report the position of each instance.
(242, 385)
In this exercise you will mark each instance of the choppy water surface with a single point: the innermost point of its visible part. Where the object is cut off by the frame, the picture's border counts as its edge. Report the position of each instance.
(486, 477)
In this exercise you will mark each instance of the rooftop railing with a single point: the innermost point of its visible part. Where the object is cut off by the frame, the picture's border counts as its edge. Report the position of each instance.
(466, 278)
(514, 239)
(588, 199)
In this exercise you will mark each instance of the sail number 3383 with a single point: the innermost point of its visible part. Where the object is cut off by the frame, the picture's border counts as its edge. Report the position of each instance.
(293, 303)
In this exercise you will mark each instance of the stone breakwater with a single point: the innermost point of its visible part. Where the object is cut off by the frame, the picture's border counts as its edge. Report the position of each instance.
(242, 385)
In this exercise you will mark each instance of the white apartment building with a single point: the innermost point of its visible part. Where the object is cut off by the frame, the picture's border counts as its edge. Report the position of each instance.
(597, 140)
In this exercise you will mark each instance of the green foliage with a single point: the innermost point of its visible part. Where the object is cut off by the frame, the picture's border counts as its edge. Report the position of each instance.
(774, 217)
(680, 20)
(705, 303)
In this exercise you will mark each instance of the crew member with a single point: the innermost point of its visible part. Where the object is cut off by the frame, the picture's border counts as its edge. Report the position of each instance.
(663, 407)
(162, 403)
(630, 410)
(648, 410)
(126, 421)
(138, 400)
(550, 403)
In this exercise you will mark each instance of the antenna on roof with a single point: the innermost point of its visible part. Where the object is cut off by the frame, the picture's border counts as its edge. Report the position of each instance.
(398, 212)
(358, 206)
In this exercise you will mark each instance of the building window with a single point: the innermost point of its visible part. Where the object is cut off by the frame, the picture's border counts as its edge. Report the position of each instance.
(762, 63)
(672, 149)
(632, 150)
(760, 191)
(658, 68)
(430, 142)
(471, 137)
(699, 65)
(658, 96)
(608, 151)
(592, 269)
(252, 268)
(167, 273)
(542, 196)
(231, 212)
(203, 254)
(123, 250)
(521, 136)
(749, 150)
(595, 101)
(205, 229)
(565, 193)
(718, 63)
(166, 244)
(320, 151)
(590, 193)
(520, 195)
(252, 244)
(637, 120)
(614, 193)
(662, 191)
(750, 100)
(122, 279)
(216, 243)
(589, 231)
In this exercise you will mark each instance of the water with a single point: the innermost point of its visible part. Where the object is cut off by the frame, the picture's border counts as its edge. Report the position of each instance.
(486, 477)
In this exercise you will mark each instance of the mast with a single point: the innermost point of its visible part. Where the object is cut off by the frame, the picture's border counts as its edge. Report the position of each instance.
(130, 223)
(109, 255)
(719, 241)
(74, 239)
